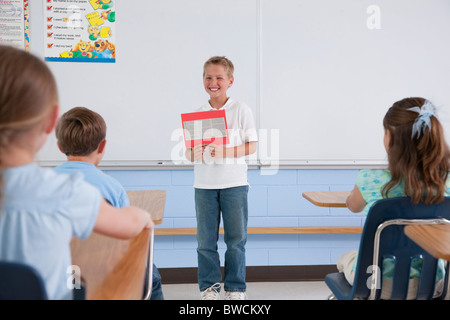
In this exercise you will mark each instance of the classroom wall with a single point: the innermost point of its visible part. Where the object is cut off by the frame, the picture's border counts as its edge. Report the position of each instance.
(274, 200)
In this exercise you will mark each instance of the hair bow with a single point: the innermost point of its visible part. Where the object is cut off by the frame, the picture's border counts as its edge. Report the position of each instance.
(423, 120)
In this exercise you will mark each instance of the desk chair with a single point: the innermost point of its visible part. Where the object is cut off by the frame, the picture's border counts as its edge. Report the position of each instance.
(20, 282)
(383, 237)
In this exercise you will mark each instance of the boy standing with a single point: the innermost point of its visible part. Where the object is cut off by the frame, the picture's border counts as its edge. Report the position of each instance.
(81, 137)
(221, 186)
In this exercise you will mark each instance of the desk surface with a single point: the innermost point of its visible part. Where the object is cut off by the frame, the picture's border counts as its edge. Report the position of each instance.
(435, 239)
(327, 198)
(153, 201)
(113, 268)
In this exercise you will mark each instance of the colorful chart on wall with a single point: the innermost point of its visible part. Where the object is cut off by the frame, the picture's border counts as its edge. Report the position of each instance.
(14, 25)
(80, 30)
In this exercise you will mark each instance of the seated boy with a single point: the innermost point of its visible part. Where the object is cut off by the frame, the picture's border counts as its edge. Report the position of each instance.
(81, 137)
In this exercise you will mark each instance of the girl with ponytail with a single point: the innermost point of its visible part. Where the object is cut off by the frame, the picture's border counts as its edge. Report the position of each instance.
(418, 167)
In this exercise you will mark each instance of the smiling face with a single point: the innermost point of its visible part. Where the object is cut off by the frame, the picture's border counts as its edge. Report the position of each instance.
(84, 46)
(217, 81)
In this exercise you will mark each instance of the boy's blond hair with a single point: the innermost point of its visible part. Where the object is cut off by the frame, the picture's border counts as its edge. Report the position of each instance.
(222, 61)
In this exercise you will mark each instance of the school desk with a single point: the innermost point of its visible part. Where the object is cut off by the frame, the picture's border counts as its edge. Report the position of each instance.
(331, 199)
(153, 201)
(336, 199)
(435, 239)
(114, 269)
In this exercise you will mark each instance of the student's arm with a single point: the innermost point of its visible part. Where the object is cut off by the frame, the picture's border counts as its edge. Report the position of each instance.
(233, 152)
(122, 223)
(355, 201)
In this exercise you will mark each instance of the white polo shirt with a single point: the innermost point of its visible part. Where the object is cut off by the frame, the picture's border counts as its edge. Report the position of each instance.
(222, 173)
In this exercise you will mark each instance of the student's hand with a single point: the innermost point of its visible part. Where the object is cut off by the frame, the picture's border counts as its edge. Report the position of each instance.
(123, 223)
(197, 151)
(355, 201)
(217, 151)
(150, 224)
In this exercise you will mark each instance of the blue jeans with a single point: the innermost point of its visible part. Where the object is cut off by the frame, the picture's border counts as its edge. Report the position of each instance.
(232, 202)
(157, 293)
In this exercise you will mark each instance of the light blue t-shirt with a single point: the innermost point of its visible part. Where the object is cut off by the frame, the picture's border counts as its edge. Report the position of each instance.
(40, 213)
(109, 187)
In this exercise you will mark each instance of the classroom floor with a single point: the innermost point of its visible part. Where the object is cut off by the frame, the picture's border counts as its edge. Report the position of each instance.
(304, 290)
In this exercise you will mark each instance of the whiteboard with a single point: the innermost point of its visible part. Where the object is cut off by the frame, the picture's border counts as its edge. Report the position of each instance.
(328, 77)
(161, 47)
(318, 78)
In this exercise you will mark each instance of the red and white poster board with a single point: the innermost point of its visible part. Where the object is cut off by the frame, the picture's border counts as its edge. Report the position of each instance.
(204, 128)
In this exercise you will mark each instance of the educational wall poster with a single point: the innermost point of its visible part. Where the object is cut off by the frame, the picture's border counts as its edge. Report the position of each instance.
(80, 30)
(14, 26)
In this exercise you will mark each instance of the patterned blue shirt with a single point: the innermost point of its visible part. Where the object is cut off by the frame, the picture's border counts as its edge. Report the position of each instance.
(371, 182)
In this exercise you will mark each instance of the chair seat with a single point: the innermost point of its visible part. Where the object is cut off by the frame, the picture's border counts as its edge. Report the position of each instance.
(339, 286)
(383, 237)
(20, 282)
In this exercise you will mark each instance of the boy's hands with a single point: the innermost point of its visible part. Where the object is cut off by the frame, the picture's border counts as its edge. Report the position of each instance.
(217, 151)
(197, 151)
(212, 150)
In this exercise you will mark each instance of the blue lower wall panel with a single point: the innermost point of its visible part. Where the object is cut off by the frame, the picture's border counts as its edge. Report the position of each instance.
(274, 201)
